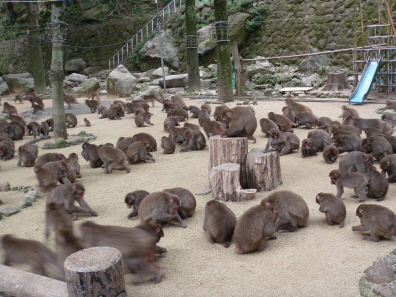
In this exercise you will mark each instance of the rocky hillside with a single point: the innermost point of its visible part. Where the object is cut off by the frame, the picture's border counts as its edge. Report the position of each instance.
(261, 28)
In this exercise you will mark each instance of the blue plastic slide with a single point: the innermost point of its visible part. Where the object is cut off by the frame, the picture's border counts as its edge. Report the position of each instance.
(366, 81)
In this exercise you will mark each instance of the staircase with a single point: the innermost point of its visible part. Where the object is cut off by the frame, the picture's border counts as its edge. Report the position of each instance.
(128, 49)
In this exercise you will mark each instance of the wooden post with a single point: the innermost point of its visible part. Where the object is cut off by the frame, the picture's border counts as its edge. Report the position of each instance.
(229, 150)
(95, 272)
(224, 180)
(239, 70)
(263, 170)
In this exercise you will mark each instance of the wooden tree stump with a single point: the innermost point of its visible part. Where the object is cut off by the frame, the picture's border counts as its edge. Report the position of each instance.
(229, 150)
(263, 170)
(224, 180)
(336, 81)
(95, 272)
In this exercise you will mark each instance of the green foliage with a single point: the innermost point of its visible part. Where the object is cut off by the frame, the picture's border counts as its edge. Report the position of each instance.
(273, 80)
(258, 13)
(180, 31)
(200, 26)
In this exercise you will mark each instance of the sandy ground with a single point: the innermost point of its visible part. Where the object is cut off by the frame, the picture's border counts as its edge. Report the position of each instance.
(315, 261)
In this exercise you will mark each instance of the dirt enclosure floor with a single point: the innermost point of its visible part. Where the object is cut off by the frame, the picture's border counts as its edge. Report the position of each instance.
(318, 260)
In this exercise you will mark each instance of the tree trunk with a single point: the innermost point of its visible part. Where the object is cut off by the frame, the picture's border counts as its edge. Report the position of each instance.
(229, 150)
(56, 75)
(336, 81)
(194, 80)
(224, 81)
(95, 272)
(224, 180)
(11, 14)
(80, 6)
(36, 58)
(263, 170)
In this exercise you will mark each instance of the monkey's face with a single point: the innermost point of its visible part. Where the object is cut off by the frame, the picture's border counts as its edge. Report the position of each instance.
(130, 201)
(366, 145)
(333, 178)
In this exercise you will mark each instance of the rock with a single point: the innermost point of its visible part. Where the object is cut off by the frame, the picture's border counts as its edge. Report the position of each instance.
(307, 81)
(213, 67)
(175, 90)
(203, 192)
(143, 79)
(262, 67)
(277, 87)
(206, 40)
(24, 204)
(1, 202)
(380, 272)
(121, 82)
(60, 142)
(268, 92)
(102, 74)
(91, 83)
(77, 141)
(31, 196)
(103, 92)
(5, 187)
(98, 12)
(82, 133)
(75, 77)
(78, 91)
(206, 84)
(157, 73)
(4, 89)
(90, 71)
(175, 81)
(75, 65)
(19, 84)
(384, 290)
(9, 211)
(150, 54)
(49, 145)
(311, 64)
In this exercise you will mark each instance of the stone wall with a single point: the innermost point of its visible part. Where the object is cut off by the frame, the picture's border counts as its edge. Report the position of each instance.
(291, 27)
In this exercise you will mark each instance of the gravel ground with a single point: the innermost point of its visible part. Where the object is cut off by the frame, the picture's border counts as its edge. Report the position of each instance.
(318, 260)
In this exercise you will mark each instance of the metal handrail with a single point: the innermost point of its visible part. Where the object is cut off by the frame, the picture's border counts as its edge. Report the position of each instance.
(129, 47)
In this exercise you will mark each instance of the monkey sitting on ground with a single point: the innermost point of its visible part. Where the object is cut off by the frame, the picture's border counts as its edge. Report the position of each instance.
(266, 125)
(219, 223)
(333, 207)
(87, 122)
(376, 219)
(195, 141)
(168, 145)
(388, 165)
(283, 142)
(253, 228)
(378, 185)
(134, 199)
(308, 148)
(292, 210)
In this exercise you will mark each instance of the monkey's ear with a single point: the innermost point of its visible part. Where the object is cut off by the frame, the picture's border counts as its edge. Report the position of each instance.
(268, 204)
(170, 201)
(360, 210)
(368, 141)
(275, 211)
(317, 197)
(228, 114)
(132, 197)
(388, 163)
(74, 188)
(157, 230)
(148, 144)
(60, 238)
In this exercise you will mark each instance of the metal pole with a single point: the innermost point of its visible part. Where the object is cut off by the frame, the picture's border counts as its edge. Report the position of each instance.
(162, 58)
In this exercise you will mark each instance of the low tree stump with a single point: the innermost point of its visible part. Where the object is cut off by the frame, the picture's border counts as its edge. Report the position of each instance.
(95, 272)
(229, 150)
(263, 170)
(224, 180)
(336, 81)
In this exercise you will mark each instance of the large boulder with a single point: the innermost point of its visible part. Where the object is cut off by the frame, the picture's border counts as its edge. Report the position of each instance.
(262, 67)
(98, 12)
(19, 84)
(238, 33)
(311, 64)
(91, 83)
(75, 77)
(150, 55)
(75, 65)
(157, 73)
(121, 82)
(175, 81)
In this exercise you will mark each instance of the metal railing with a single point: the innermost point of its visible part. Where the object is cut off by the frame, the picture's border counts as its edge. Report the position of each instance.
(147, 29)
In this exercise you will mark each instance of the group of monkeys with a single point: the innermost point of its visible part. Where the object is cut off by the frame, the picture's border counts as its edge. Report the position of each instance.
(282, 211)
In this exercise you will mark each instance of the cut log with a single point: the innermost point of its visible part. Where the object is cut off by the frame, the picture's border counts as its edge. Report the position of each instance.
(229, 150)
(263, 170)
(95, 272)
(224, 180)
(336, 81)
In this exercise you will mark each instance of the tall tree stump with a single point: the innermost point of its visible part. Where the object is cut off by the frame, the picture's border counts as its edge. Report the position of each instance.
(229, 150)
(224, 180)
(263, 170)
(95, 272)
(336, 81)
